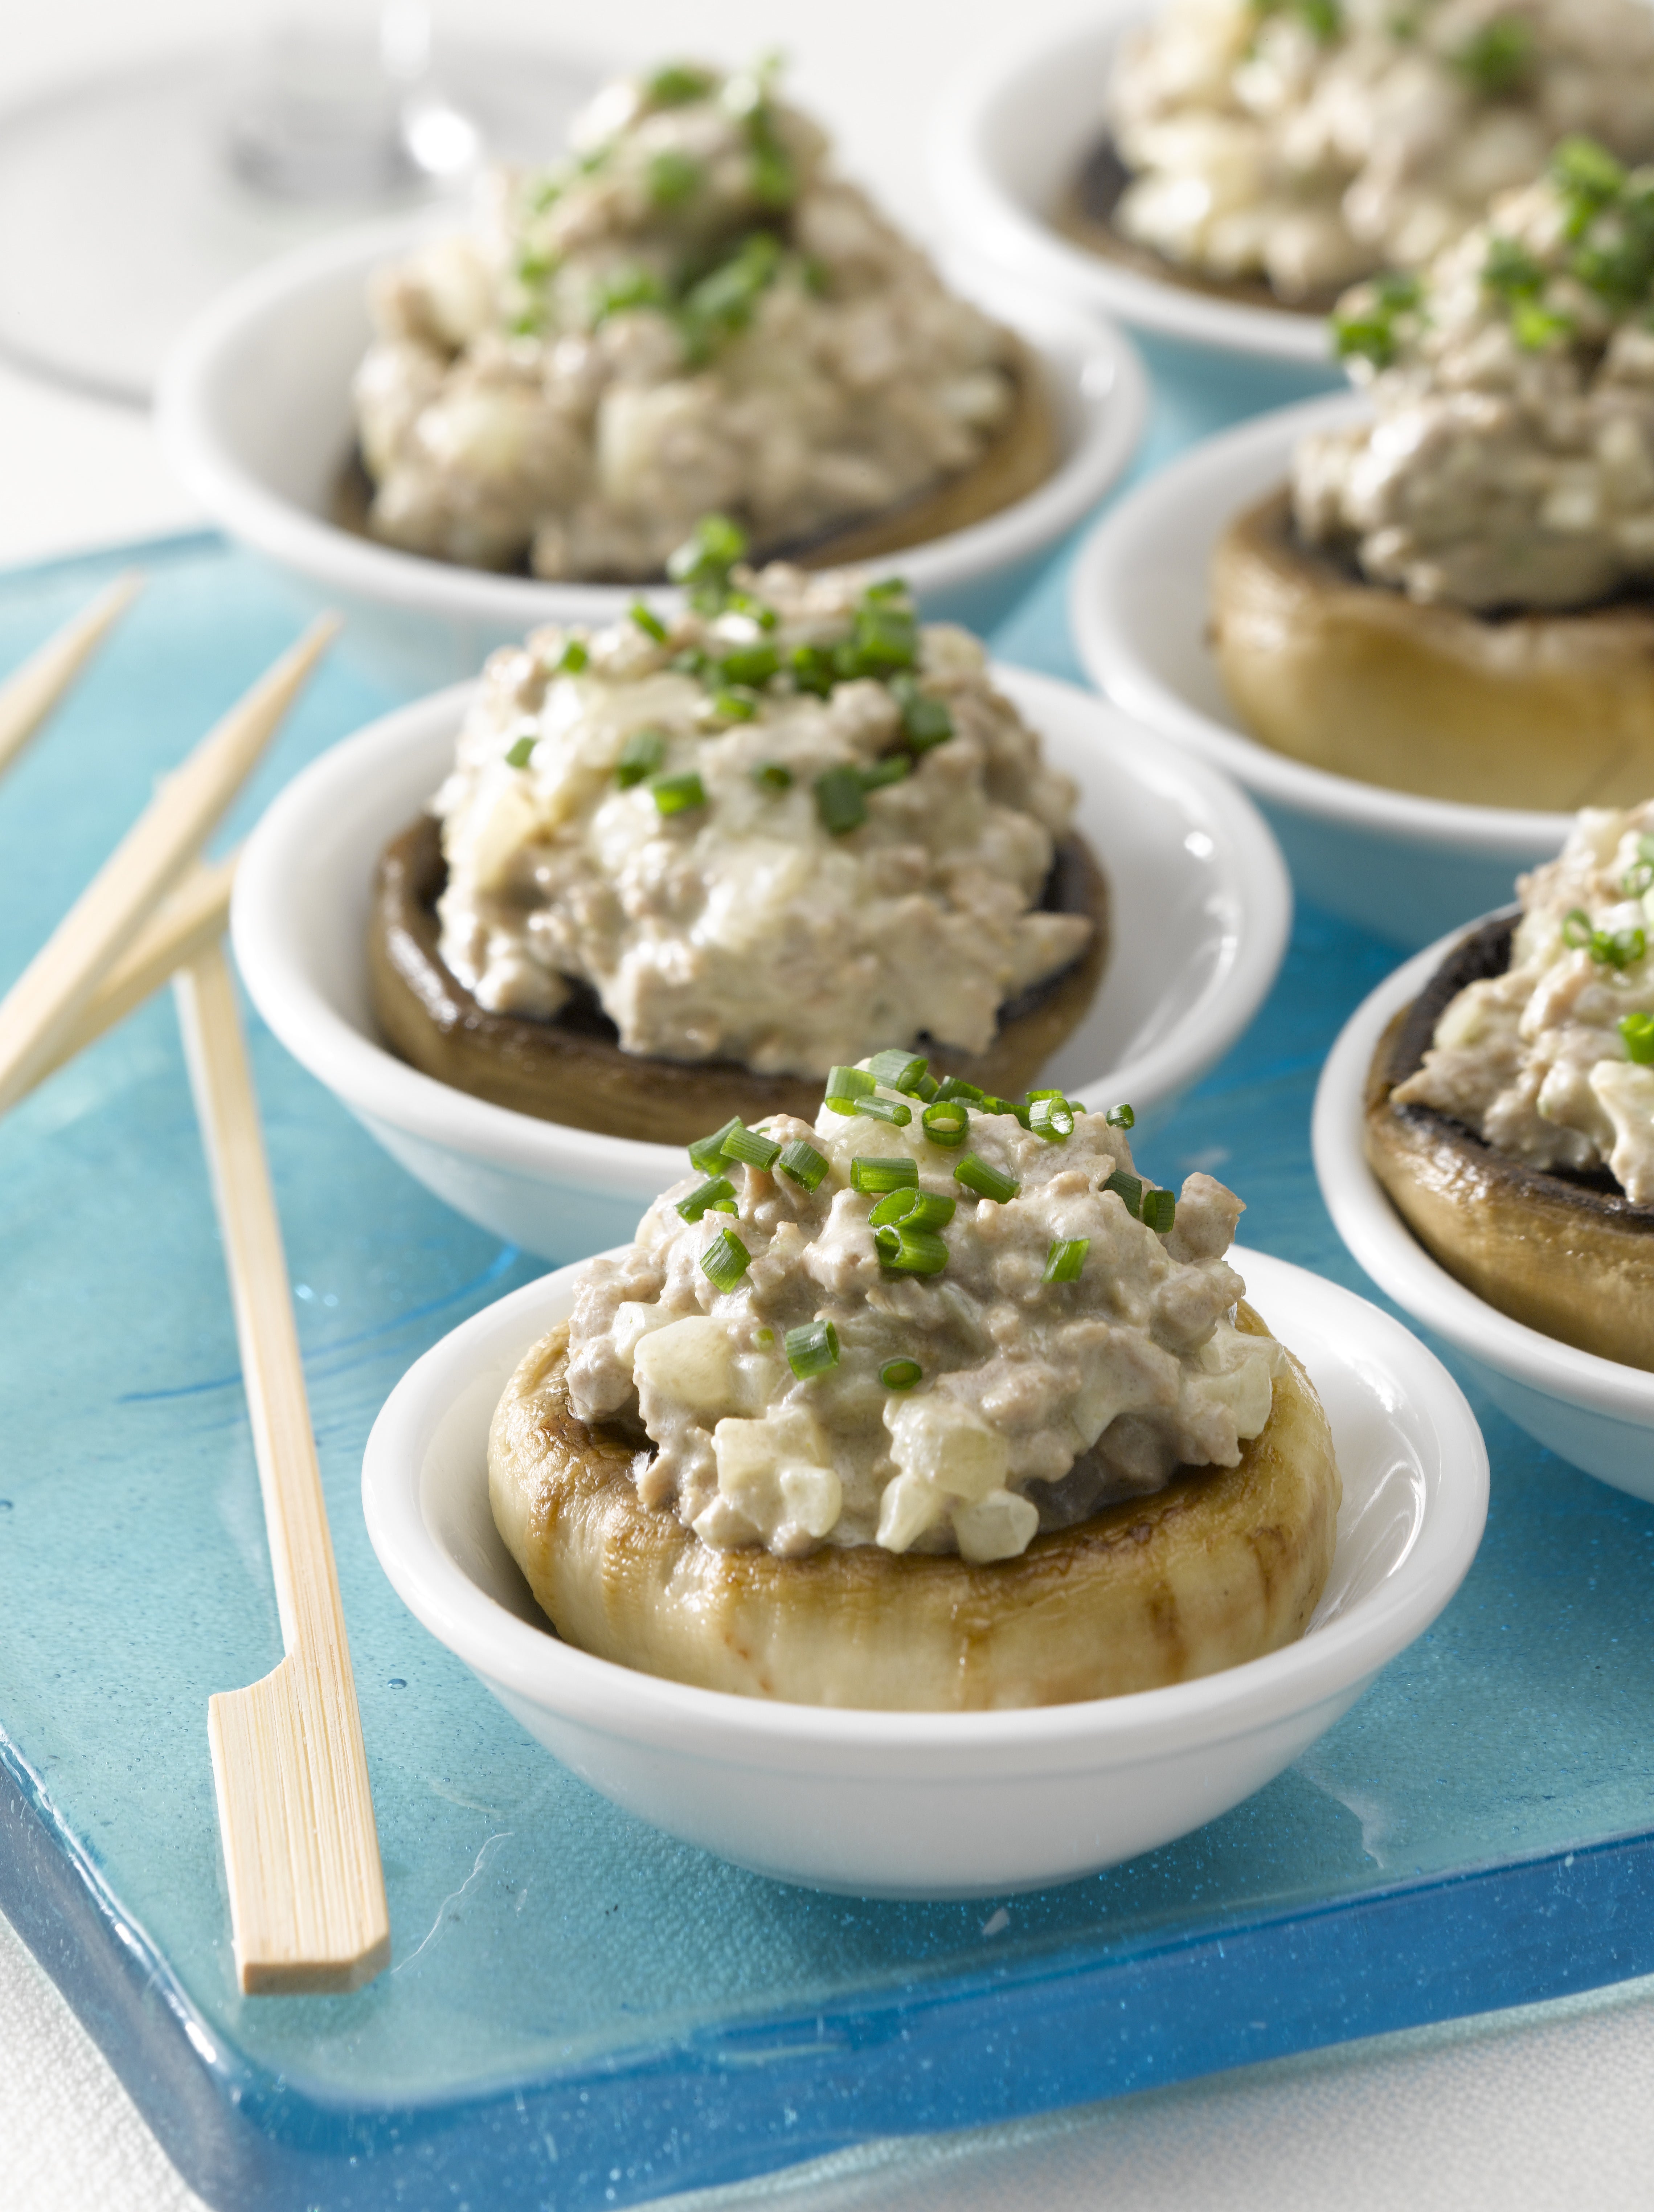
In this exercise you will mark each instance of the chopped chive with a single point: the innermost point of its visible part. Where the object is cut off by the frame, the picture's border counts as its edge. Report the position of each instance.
(926, 1088)
(1576, 928)
(975, 1173)
(811, 669)
(574, 657)
(897, 1071)
(1640, 878)
(1052, 1118)
(706, 1153)
(840, 800)
(1120, 1117)
(743, 603)
(639, 757)
(913, 1209)
(880, 1174)
(803, 1163)
(701, 564)
(710, 1193)
(1160, 1211)
(726, 1259)
(718, 710)
(955, 1086)
(925, 720)
(895, 767)
(944, 1121)
(677, 794)
(518, 756)
(811, 1348)
(901, 1374)
(773, 775)
(752, 664)
(1065, 1260)
(1638, 1032)
(883, 1110)
(647, 621)
(673, 178)
(1128, 1189)
(1017, 1108)
(676, 85)
(845, 1085)
(912, 1251)
(763, 1338)
(752, 1150)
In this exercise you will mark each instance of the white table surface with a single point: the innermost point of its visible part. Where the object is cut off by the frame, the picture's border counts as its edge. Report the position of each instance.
(1528, 2110)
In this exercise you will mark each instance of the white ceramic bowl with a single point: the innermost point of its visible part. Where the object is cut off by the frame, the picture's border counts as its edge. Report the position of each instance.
(254, 413)
(1405, 867)
(1200, 912)
(1594, 1413)
(941, 1804)
(1010, 133)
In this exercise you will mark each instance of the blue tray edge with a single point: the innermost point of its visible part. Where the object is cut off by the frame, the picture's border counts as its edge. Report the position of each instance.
(966, 2053)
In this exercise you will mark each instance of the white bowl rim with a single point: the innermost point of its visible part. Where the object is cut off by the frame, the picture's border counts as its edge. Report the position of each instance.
(1000, 224)
(1382, 1242)
(372, 1081)
(1114, 665)
(1113, 383)
(1129, 1730)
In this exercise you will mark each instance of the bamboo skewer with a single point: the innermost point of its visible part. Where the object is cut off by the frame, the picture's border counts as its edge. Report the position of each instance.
(307, 1892)
(29, 695)
(187, 923)
(41, 1011)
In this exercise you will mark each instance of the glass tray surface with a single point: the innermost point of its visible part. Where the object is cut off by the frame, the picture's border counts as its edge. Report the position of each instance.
(580, 2011)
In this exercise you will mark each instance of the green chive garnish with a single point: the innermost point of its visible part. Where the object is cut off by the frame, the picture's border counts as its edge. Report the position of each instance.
(727, 706)
(726, 1259)
(1610, 948)
(1065, 1260)
(945, 1121)
(752, 1150)
(840, 801)
(677, 794)
(915, 1209)
(752, 663)
(1640, 878)
(895, 767)
(1120, 1117)
(1160, 1211)
(975, 1173)
(955, 1086)
(574, 658)
(911, 1251)
(1129, 1189)
(518, 756)
(673, 178)
(901, 1374)
(880, 1174)
(811, 1348)
(713, 1193)
(647, 621)
(640, 755)
(897, 1071)
(701, 564)
(845, 1085)
(1638, 1032)
(1051, 1116)
(803, 1163)
(676, 85)
(812, 668)
(773, 775)
(883, 1110)
(706, 1153)
(925, 720)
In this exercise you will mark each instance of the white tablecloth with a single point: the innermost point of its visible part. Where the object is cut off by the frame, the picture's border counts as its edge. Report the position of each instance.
(1527, 2111)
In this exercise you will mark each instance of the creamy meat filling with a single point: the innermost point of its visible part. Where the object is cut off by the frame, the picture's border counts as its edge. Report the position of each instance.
(693, 313)
(936, 1324)
(1553, 1062)
(1509, 463)
(777, 828)
(1312, 142)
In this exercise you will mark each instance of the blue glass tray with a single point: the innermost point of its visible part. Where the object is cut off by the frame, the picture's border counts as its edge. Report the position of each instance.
(581, 2013)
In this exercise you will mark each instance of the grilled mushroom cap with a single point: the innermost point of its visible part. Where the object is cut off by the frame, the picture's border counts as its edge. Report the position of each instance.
(1568, 1254)
(1223, 1565)
(572, 1070)
(1552, 711)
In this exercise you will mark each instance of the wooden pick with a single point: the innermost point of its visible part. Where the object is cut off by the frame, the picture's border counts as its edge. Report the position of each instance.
(308, 1905)
(187, 923)
(31, 692)
(41, 1007)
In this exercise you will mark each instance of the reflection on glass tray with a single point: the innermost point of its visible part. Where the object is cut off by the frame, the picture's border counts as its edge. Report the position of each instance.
(580, 2011)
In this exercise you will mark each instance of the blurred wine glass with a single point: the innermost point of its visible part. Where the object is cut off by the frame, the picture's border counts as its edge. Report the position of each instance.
(128, 199)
